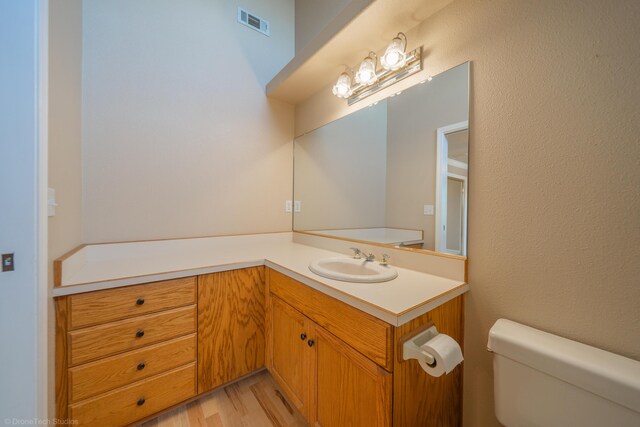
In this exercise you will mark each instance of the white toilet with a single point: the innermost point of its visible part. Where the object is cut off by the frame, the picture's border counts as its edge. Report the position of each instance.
(541, 379)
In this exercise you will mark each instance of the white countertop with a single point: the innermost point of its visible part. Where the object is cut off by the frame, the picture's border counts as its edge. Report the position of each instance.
(112, 265)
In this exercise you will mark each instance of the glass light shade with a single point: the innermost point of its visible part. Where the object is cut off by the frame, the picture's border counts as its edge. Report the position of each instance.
(366, 74)
(394, 57)
(342, 88)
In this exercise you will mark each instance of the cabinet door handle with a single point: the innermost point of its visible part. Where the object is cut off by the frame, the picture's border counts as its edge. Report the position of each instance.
(141, 401)
(140, 333)
(141, 366)
(310, 343)
(140, 301)
(303, 336)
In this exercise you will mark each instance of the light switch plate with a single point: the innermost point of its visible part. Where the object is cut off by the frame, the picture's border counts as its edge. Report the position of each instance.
(288, 206)
(428, 209)
(8, 263)
(51, 202)
(297, 206)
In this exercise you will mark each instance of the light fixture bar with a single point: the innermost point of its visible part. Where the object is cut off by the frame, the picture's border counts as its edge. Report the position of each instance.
(386, 78)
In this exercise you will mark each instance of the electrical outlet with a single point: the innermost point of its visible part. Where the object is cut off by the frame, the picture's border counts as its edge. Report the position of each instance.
(7, 262)
(288, 206)
(297, 206)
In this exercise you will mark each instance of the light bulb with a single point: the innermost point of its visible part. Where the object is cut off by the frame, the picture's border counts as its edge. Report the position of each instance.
(366, 74)
(395, 57)
(392, 58)
(342, 88)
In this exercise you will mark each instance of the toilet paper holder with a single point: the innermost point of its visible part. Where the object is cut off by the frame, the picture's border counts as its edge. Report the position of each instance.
(411, 347)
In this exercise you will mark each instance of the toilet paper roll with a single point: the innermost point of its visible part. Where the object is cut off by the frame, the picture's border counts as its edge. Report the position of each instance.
(446, 352)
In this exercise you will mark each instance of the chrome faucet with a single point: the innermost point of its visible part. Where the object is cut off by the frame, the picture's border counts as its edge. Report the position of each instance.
(369, 256)
(357, 253)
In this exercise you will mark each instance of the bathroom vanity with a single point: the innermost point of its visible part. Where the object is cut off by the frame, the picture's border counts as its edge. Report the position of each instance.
(129, 347)
(144, 326)
(337, 364)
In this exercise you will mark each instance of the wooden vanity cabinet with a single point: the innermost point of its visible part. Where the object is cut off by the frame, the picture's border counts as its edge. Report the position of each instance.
(289, 352)
(125, 354)
(342, 367)
(231, 317)
(329, 382)
(346, 388)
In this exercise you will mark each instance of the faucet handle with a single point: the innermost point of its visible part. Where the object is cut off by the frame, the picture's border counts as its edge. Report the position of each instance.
(385, 259)
(357, 253)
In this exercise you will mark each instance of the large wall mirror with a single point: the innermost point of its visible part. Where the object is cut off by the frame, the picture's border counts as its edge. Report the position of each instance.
(394, 173)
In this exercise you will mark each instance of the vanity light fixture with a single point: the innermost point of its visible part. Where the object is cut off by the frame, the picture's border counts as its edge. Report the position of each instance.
(367, 73)
(342, 88)
(397, 64)
(395, 56)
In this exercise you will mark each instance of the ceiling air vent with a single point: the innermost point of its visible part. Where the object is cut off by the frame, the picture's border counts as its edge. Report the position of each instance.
(253, 21)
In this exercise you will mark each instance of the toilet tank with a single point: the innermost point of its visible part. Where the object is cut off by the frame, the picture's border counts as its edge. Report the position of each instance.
(541, 379)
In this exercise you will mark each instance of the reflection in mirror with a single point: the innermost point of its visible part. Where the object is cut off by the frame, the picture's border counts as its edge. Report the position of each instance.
(394, 173)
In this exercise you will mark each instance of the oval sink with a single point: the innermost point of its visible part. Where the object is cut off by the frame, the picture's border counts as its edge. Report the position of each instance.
(353, 270)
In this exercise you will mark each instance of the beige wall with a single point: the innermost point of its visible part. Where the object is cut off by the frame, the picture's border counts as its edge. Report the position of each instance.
(340, 172)
(554, 229)
(178, 137)
(65, 168)
(311, 16)
(414, 118)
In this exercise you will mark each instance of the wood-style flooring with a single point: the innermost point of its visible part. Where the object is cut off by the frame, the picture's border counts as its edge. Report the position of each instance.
(253, 402)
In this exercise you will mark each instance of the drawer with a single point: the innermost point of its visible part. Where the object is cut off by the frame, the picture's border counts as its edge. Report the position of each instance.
(128, 404)
(103, 340)
(103, 375)
(369, 335)
(93, 308)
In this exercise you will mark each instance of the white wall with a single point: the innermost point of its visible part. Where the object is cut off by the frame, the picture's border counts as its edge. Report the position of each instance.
(554, 170)
(21, 309)
(178, 137)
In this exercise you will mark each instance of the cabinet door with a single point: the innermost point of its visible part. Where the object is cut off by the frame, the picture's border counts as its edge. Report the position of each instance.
(289, 352)
(231, 337)
(348, 389)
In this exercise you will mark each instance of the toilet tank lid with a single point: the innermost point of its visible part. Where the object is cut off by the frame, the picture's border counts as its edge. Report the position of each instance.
(606, 374)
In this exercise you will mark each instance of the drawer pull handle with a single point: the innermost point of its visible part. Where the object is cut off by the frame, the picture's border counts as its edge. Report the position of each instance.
(141, 366)
(310, 343)
(140, 333)
(141, 401)
(303, 336)
(140, 301)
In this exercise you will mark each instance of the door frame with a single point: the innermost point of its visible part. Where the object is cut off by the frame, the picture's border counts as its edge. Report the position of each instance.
(442, 171)
(45, 328)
